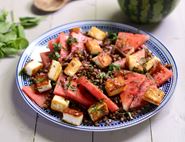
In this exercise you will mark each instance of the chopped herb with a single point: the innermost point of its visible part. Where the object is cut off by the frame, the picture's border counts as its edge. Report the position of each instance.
(72, 88)
(139, 69)
(53, 83)
(130, 115)
(102, 75)
(54, 55)
(68, 84)
(22, 71)
(113, 37)
(71, 40)
(57, 55)
(114, 67)
(39, 80)
(57, 47)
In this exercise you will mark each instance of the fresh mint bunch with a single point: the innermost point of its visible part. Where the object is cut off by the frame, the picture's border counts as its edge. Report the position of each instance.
(12, 36)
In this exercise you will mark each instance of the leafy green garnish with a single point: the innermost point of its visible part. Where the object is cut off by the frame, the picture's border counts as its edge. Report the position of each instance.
(102, 75)
(54, 55)
(72, 88)
(29, 22)
(4, 27)
(22, 71)
(130, 115)
(140, 70)
(114, 67)
(3, 15)
(57, 47)
(71, 40)
(68, 84)
(39, 80)
(113, 37)
(12, 37)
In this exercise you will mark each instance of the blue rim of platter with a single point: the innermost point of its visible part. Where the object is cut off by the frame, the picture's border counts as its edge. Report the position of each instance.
(154, 45)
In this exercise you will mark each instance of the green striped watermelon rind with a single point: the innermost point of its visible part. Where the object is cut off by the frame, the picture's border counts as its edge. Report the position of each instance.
(147, 11)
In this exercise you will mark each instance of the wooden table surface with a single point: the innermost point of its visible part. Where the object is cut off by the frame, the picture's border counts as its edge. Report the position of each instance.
(19, 123)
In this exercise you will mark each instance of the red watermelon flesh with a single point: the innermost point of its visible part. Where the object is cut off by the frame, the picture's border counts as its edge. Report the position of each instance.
(161, 74)
(78, 95)
(62, 39)
(81, 39)
(121, 63)
(129, 42)
(97, 93)
(45, 59)
(126, 99)
(51, 44)
(39, 98)
(138, 99)
(59, 90)
(133, 82)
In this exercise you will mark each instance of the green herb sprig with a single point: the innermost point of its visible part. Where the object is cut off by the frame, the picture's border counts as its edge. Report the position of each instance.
(112, 37)
(114, 67)
(71, 40)
(12, 36)
(29, 22)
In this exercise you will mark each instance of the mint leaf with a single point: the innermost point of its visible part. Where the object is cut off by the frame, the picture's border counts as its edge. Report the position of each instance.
(19, 43)
(8, 36)
(3, 15)
(8, 52)
(28, 22)
(4, 27)
(20, 31)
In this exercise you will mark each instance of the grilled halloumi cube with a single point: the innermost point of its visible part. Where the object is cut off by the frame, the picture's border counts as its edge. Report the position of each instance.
(132, 62)
(135, 61)
(32, 67)
(98, 110)
(42, 83)
(148, 65)
(115, 86)
(97, 33)
(103, 60)
(72, 116)
(55, 70)
(93, 47)
(45, 86)
(154, 95)
(59, 103)
(72, 67)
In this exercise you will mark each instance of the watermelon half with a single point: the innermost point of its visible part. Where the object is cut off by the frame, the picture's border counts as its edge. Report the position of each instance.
(147, 11)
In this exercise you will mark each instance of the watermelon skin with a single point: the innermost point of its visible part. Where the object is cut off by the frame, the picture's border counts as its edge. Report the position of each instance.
(147, 11)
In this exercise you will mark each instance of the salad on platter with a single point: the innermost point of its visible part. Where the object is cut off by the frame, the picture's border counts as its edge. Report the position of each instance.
(96, 77)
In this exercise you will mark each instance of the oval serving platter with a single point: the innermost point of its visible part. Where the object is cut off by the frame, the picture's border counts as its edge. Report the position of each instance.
(40, 45)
